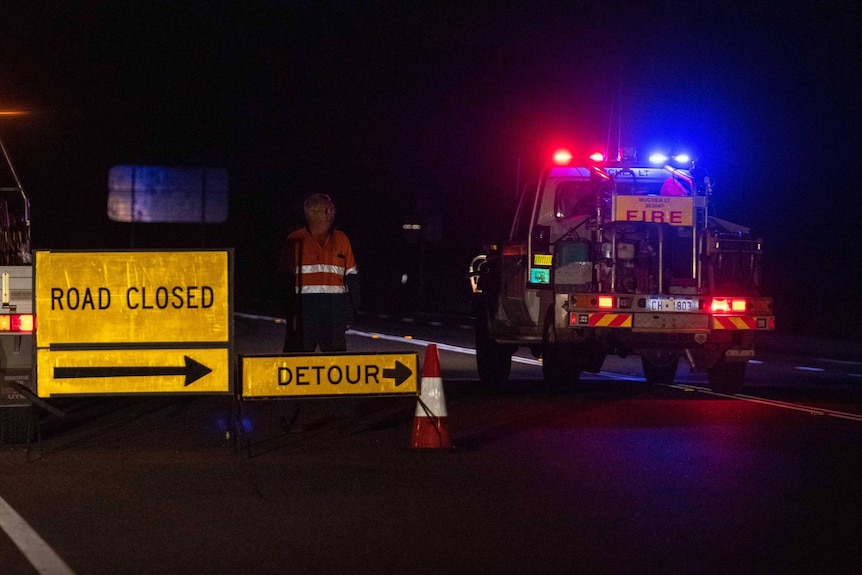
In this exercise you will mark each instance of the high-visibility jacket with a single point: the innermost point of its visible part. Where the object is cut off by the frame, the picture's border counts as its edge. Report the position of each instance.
(322, 268)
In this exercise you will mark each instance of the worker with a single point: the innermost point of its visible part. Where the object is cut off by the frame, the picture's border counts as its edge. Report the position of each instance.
(322, 279)
(319, 270)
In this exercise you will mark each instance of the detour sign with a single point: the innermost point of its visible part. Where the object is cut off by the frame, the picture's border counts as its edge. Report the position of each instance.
(322, 375)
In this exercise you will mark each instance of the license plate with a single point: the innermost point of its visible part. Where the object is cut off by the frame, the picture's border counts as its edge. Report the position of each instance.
(673, 304)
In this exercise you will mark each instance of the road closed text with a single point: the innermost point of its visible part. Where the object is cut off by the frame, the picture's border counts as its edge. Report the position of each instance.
(133, 298)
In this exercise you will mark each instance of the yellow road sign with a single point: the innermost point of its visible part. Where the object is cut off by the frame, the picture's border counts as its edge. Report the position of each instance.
(133, 322)
(322, 375)
(132, 297)
(132, 371)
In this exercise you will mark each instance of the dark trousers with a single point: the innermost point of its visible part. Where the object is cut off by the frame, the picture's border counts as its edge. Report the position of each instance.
(318, 321)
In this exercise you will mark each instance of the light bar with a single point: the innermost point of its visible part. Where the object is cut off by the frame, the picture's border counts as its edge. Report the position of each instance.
(659, 158)
(597, 157)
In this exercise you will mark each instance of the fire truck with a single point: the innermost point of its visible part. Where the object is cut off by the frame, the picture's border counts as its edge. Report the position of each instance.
(620, 257)
(17, 322)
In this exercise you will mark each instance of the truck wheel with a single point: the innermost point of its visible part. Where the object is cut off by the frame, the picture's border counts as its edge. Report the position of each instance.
(560, 365)
(493, 360)
(659, 372)
(726, 376)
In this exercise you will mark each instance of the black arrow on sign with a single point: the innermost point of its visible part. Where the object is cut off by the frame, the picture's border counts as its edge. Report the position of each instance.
(192, 370)
(399, 373)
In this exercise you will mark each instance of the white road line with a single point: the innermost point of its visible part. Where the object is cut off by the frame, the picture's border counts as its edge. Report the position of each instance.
(773, 402)
(440, 346)
(838, 361)
(529, 361)
(34, 548)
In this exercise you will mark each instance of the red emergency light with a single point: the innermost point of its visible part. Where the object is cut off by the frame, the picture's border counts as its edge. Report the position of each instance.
(597, 157)
(562, 157)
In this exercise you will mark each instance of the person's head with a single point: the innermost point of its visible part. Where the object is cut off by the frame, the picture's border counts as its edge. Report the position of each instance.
(319, 212)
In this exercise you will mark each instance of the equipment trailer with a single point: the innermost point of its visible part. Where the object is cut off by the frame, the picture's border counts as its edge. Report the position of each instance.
(17, 322)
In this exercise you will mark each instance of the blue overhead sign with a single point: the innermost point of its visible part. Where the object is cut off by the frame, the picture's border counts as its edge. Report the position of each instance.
(167, 195)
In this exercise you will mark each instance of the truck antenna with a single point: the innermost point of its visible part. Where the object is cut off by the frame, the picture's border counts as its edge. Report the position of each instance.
(617, 101)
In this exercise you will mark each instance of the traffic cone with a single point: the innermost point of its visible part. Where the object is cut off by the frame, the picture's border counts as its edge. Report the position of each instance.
(430, 424)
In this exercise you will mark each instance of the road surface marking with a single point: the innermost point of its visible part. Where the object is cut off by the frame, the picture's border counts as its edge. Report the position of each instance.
(34, 548)
(774, 403)
(529, 361)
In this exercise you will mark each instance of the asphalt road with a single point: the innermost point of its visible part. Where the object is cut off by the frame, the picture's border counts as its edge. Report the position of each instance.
(616, 477)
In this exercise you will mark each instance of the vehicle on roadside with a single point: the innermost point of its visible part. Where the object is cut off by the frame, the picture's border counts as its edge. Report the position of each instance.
(620, 257)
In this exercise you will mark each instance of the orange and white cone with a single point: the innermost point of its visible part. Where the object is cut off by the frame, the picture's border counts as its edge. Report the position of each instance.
(430, 424)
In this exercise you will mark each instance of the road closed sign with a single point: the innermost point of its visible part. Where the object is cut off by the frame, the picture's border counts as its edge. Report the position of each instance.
(323, 375)
(133, 322)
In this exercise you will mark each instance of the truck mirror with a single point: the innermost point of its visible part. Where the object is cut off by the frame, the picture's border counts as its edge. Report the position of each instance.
(541, 238)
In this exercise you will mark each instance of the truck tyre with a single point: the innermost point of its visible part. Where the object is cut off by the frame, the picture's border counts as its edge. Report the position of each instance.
(726, 376)
(560, 365)
(659, 372)
(493, 360)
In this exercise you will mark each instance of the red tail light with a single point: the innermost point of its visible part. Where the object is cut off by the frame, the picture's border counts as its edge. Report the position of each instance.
(17, 322)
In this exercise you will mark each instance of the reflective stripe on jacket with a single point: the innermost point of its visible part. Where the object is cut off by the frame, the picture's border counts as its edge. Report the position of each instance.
(321, 268)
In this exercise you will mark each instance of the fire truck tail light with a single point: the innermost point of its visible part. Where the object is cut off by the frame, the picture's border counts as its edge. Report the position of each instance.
(724, 305)
(562, 157)
(606, 302)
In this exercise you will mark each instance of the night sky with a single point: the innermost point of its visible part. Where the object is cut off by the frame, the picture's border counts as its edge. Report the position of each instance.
(440, 111)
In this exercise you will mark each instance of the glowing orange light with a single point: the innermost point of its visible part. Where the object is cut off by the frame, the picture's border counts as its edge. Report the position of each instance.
(13, 112)
(25, 322)
(723, 305)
